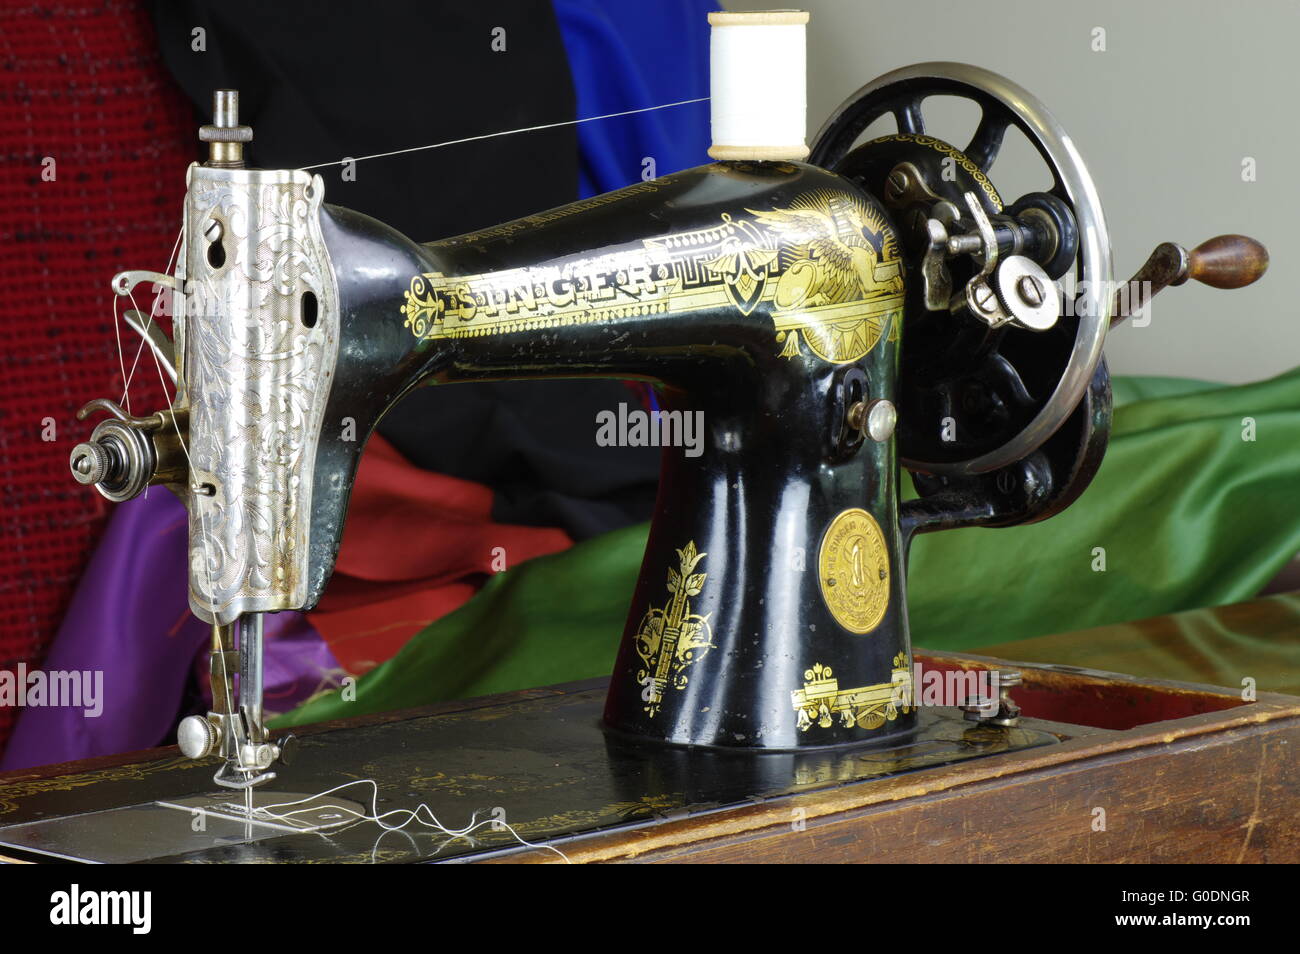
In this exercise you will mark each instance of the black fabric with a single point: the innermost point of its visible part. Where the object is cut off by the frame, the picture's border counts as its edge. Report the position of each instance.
(516, 436)
(319, 82)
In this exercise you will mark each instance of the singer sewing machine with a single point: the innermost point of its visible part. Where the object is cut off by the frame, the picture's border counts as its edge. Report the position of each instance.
(877, 306)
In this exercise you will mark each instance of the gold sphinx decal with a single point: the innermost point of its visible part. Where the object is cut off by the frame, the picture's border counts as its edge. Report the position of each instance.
(828, 265)
(821, 700)
(671, 640)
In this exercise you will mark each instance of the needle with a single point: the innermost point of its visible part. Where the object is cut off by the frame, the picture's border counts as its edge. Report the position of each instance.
(248, 814)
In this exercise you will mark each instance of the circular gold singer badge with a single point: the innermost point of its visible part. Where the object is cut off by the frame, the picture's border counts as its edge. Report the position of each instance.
(853, 567)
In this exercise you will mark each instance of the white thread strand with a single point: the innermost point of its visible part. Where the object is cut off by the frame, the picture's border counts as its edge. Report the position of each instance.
(128, 376)
(412, 815)
(149, 318)
(757, 71)
(203, 523)
(506, 132)
(196, 497)
(121, 358)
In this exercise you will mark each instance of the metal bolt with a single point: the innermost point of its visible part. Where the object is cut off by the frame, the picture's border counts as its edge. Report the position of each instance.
(1007, 714)
(896, 185)
(857, 415)
(985, 300)
(225, 108)
(977, 708)
(1030, 290)
(875, 419)
(264, 755)
(225, 136)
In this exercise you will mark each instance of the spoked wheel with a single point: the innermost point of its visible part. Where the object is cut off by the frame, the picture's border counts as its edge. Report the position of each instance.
(1017, 387)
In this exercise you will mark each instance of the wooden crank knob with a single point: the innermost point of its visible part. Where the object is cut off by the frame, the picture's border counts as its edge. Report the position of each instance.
(1226, 261)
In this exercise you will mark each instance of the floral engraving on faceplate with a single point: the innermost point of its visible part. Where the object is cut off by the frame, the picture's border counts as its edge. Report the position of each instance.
(260, 344)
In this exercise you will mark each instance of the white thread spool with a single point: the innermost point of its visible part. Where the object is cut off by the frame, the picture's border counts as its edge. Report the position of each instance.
(758, 76)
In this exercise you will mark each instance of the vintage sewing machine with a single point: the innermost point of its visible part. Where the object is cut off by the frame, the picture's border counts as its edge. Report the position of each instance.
(872, 307)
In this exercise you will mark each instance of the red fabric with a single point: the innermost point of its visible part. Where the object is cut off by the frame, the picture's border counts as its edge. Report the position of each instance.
(416, 545)
(82, 84)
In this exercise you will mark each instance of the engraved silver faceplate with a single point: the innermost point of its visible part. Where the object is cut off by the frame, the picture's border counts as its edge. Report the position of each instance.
(258, 343)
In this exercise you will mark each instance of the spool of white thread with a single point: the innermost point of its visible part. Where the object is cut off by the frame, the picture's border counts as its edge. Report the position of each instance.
(758, 68)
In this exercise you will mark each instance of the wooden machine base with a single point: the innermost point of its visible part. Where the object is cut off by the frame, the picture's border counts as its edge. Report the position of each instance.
(1101, 768)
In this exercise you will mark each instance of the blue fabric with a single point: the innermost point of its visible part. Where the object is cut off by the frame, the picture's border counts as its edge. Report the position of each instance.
(629, 54)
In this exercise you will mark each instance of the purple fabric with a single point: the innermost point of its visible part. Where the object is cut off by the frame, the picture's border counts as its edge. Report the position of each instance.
(296, 664)
(130, 620)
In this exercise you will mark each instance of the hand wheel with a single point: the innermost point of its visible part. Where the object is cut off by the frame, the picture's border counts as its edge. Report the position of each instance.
(1042, 384)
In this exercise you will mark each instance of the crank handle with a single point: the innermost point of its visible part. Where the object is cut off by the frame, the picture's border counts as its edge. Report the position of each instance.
(1227, 261)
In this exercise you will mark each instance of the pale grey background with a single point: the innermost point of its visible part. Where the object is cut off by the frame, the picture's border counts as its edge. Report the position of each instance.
(1164, 117)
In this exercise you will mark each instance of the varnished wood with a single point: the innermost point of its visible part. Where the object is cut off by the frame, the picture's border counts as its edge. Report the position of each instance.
(1219, 786)
(1227, 798)
(1227, 261)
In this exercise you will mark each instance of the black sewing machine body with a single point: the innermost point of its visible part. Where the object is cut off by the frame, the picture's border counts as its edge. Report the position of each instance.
(820, 325)
(769, 303)
(768, 298)
(765, 298)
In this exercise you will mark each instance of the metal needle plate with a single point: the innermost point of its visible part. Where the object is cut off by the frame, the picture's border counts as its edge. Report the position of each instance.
(154, 829)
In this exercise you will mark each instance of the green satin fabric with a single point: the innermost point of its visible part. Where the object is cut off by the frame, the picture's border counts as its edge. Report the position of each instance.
(1185, 512)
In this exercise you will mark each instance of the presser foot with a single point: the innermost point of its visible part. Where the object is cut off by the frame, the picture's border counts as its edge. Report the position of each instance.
(236, 731)
(231, 776)
(247, 764)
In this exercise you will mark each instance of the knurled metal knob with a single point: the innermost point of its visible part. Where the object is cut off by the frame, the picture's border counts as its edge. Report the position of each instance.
(91, 462)
(225, 136)
(197, 737)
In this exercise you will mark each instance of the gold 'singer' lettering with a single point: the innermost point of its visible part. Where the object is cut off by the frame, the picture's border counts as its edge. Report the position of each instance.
(827, 266)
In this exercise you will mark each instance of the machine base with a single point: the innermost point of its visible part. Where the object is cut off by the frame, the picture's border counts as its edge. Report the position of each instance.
(1101, 768)
(541, 764)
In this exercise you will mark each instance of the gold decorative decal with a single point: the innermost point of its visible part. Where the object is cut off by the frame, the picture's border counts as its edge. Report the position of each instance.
(821, 700)
(671, 640)
(853, 567)
(828, 266)
(938, 145)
